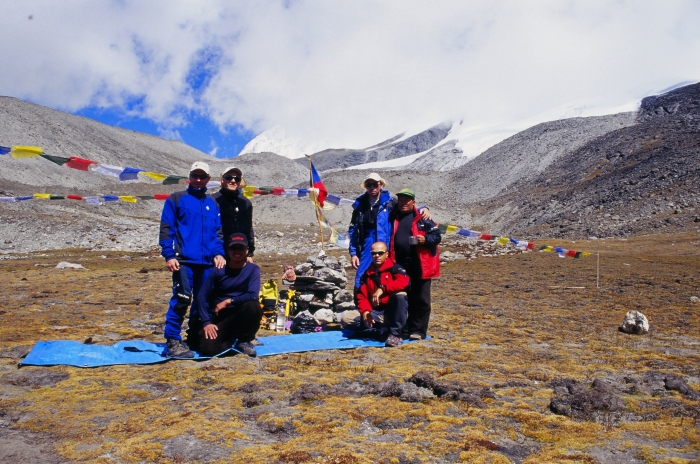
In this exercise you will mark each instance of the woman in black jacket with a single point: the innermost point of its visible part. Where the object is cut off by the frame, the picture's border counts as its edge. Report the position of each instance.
(236, 209)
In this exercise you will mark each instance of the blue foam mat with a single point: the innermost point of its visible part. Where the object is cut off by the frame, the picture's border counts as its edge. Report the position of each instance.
(72, 353)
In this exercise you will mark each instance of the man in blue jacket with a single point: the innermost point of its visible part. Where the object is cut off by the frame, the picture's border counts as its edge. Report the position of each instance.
(191, 241)
(370, 223)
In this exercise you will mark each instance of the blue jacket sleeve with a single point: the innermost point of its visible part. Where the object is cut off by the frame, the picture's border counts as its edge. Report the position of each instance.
(433, 237)
(219, 248)
(352, 233)
(168, 225)
(204, 298)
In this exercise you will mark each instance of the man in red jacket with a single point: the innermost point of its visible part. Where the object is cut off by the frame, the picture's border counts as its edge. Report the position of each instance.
(382, 299)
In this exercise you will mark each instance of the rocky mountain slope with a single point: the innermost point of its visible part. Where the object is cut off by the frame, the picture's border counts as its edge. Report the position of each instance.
(636, 179)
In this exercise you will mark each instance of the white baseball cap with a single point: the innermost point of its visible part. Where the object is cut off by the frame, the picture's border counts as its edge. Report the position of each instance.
(232, 168)
(373, 176)
(199, 165)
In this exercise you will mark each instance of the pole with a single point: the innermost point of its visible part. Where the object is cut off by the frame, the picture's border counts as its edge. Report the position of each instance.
(314, 200)
(597, 267)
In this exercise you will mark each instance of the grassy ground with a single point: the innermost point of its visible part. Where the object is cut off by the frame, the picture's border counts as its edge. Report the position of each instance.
(507, 327)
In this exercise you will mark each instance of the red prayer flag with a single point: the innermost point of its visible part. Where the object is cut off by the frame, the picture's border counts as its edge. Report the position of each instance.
(161, 196)
(571, 253)
(277, 191)
(530, 246)
(74, 197)
(317, 183)
(80, 164)
(257, 192)
(485, 237)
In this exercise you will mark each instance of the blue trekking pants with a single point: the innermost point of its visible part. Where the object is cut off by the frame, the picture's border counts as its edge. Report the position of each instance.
(186, 284)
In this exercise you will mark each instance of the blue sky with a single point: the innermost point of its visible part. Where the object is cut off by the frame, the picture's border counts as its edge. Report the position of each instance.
(198, 131)
(215, 73)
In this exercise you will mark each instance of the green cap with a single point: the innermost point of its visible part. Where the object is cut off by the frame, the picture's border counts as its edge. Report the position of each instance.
(407, 193)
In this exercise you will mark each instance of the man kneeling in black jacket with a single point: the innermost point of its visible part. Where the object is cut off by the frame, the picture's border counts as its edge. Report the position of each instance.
(228, 303)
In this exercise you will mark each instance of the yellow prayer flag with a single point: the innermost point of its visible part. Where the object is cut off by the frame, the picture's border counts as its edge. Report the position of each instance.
(548, 249)
(26, 152)
(42, 195)
(584, 254)
(128, 198)
(503, 240)
(452, 229)
(155, 175)
(248, 191)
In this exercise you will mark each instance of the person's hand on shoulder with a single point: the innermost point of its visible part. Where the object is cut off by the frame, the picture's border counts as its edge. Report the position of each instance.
(219, 262)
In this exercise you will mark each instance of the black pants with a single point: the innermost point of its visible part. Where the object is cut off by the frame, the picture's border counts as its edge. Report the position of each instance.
(240, 322)
(418, 307)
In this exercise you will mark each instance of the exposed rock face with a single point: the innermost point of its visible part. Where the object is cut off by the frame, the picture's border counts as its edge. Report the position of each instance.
(638, 178)
(635, 323)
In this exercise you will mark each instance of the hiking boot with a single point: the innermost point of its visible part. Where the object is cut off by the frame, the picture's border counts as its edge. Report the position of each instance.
(256, 342)
(246, 348)
(415, 336)
(178, 349)
(392, 341)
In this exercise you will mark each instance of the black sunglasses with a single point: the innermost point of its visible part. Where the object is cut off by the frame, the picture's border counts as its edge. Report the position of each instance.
(371, 184)
(199, 176)
(230, 178)
(379, 253)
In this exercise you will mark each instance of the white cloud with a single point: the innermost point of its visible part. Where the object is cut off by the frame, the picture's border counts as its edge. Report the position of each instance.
(347, 74)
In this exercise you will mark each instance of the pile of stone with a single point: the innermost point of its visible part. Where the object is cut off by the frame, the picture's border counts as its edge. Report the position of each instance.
(319, 288)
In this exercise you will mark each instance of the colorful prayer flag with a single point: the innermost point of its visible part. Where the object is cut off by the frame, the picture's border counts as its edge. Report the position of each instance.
(442, 228)
(155, 175)
(452, 229)
(302, 192)
(93, 200)
(144, 197)
(334, 199)
(110, 198)
(60, 160)
(5, 150)
(129, 174)
(42, 196)
(503, 240)
(170, 180)
(7, 199)
(128, 198)
(81, 164)
(26, 152)
(346, 201)
(317, 183)
(108, 170)
(485, 237)
(161, 196)
(25, 198)
(57, 197)
(248, 191)
(74, 197)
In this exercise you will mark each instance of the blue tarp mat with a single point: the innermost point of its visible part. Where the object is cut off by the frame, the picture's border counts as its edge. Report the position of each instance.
(71, 353)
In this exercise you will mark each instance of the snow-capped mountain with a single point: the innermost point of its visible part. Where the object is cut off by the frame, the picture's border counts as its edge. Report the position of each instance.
(277, 140)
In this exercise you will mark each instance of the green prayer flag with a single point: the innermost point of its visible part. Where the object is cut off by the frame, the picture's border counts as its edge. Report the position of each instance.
(55, 159)
(145, 197)
(57, 197)
(443, 228)
(173, 180)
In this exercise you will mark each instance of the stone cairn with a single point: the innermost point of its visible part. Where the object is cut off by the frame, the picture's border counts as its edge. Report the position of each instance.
(319, 288)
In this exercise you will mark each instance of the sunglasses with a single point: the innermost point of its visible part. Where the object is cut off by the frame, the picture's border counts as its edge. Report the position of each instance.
(230, 178)
(199, 176)
(377, 253)
(371, 185)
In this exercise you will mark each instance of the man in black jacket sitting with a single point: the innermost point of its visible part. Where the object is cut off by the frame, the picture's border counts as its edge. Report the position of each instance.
(236, 210)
